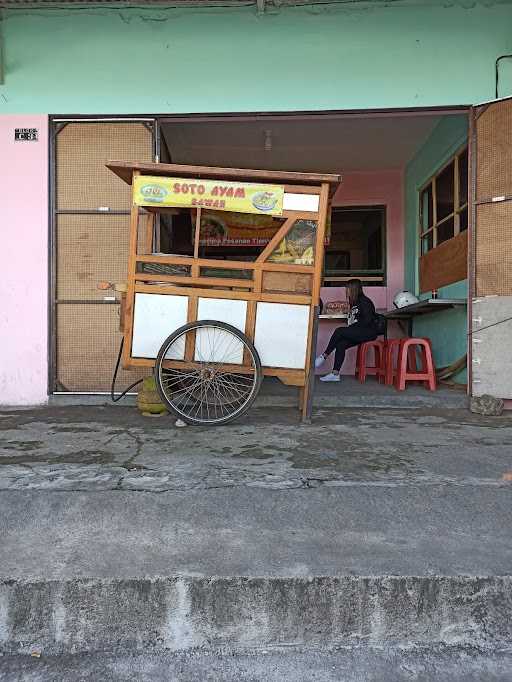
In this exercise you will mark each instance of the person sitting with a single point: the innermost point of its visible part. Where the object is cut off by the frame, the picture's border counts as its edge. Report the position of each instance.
(361, 326)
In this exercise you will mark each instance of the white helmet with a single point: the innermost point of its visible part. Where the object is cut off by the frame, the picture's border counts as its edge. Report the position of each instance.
(404, 298)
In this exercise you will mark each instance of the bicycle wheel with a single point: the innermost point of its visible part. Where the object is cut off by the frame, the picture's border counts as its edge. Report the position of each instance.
(215, 387)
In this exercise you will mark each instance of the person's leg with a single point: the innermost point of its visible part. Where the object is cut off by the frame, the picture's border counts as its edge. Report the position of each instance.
(339, 356)
(335, 336)
(341, 346)
(342, 339)
(333, 341)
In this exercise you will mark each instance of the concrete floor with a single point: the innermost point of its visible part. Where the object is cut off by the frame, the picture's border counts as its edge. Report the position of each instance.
(443, 664)
(96, 448)
(384, 492)
(347, 394)
(371, 526)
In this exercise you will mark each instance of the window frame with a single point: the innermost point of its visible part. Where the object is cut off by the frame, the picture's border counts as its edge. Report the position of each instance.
(368, 277)
(458, 209)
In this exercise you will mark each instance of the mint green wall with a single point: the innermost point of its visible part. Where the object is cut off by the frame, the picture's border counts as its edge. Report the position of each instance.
(446, 329)
(182, 60)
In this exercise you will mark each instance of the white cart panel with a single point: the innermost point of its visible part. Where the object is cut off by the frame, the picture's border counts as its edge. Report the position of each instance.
(301, 202)
(281, 336)
(227, 349)
(155, 317)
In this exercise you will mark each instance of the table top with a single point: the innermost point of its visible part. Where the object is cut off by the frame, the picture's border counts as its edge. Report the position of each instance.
(429, 305)
(333, 316)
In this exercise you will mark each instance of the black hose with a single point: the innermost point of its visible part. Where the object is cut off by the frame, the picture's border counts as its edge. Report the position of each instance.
(112, 387)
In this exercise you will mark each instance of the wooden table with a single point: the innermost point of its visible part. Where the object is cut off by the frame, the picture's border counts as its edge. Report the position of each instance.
(429, 305)
(333, 316)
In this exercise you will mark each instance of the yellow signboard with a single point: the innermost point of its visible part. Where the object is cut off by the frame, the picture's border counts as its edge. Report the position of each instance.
(220, 195)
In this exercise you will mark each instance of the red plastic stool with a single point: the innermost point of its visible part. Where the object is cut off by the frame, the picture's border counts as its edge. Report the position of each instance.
(363, 369)
(407, 369)
(391, 349)
(391, 353)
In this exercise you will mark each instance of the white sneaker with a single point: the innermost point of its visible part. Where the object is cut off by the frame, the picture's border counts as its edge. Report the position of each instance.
(319, 361)
(331, 377)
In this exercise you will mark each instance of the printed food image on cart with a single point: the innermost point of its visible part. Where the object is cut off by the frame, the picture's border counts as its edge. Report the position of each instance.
(226, 228)
(155, 193)
(265, 201)
(298, 247)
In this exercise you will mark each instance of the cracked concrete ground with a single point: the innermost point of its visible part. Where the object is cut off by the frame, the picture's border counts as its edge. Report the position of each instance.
(115, 448)
(358, 492)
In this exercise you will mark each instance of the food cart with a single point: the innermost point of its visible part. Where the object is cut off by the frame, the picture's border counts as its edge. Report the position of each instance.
(213, 328)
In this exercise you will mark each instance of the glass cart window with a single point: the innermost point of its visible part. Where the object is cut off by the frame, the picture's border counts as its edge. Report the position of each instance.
(177, 226)
(227, 235)
(298, 247)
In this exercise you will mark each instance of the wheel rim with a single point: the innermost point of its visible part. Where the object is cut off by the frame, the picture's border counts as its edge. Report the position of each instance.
(212, 388)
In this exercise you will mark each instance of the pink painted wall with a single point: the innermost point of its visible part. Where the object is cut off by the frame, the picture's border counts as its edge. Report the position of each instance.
(383, 188)
(24, 247)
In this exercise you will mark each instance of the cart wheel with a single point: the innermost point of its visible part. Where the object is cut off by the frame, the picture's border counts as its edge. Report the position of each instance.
(214, 388)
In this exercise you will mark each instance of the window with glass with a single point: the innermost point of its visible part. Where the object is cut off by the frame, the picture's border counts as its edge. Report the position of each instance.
(355, 246)
(224, 235)
(443, 203)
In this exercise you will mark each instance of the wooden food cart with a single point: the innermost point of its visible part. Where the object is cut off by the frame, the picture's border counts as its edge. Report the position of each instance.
(213, 328)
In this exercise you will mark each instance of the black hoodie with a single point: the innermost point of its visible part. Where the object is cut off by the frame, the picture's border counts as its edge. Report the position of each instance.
(362, 314)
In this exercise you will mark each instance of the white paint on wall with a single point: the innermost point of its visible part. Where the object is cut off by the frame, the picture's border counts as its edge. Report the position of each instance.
(282, 334)
(492, 351)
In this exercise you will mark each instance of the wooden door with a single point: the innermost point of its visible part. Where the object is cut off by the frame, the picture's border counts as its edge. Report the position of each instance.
(490, 291)
(91, 227)
(492, 198)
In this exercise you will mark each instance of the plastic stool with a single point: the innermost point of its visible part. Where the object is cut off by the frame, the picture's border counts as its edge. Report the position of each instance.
(407, 369)
(362, 367)
(392, 348)
(391, 352)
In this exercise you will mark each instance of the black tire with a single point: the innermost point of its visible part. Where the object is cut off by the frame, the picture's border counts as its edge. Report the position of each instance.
(228, 394)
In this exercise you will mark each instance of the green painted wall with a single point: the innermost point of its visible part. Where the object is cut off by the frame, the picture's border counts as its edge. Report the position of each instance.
(447, 329)
(181, 60)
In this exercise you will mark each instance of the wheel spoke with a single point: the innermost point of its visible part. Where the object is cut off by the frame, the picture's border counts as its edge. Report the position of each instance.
(206, 393)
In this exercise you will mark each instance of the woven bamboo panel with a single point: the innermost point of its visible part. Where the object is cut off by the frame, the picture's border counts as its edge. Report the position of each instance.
(287, 282)
(494, 151)
(82, 181)
(446, 264)
(87, 347)
(494, 249)
(90, 249)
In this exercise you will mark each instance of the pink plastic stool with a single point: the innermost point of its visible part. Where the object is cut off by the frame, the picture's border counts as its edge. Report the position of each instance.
(407, 369)
(363, 369)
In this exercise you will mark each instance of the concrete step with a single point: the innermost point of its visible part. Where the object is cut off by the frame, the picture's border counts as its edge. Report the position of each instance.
(252, 567)
(182, 613)
(350, 664)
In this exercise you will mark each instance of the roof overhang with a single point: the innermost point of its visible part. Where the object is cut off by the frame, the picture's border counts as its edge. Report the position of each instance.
(124, 170)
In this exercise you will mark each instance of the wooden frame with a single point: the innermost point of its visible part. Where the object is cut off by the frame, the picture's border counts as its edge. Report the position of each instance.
(457, 208)
(446, 261)
(195, 285)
